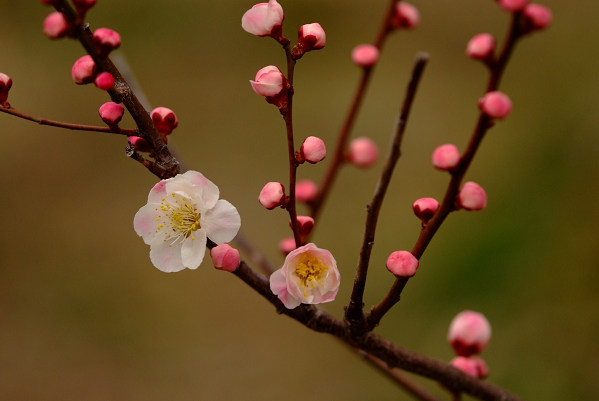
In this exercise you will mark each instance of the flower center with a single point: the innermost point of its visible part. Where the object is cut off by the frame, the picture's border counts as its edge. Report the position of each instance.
(310, 271)
(177, 218)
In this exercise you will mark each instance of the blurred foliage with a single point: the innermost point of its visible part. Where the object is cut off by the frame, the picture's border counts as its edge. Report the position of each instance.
(84, 315)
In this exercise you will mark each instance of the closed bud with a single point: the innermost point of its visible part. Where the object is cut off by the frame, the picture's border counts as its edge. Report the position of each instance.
(469, 333)
(481, 47)
(362, 152)
(313, 149)
(309, 37)
(305, 191)
(473, 366)
(513, 5)
(107, 40)
(104, 81)
(425, 208)
(5, 85)
(365, 55)
(164, 120)
(472, 196)
(287, 245)
(55, 25)
(495, 104)
(269, 81)
(264, 19)
(272, 195)
(305, 225)
(140, 144)
(225, 257)
(537, 17)
(402, 264)
(111, 113)
(446, 157)
(83, 70)
(406, 16)
(83, 5)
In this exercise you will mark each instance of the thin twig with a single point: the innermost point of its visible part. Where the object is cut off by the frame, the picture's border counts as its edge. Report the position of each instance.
(483, 124)
(354, 311)
(254, 254)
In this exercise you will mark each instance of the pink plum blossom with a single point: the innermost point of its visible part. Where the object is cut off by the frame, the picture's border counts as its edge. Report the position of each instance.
(111, 113)
(365, 55)
(263, 19)
(225, 257)
(104, 81)
(311, 37)
(481, 46)
(472, 196)
(362, 152)
(446, 157)
(406, 16)
(83, 70)
(164, 120)
(55, 25)
(313, 149)
(425, 208)
(495, 104)
(308, 276)
(402, 264)
(469, 333)
(305, 190)
(181, 214)
(272, 195)
(269, 81)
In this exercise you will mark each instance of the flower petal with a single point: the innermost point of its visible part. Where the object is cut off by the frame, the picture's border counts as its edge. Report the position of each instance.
(157, 192)
(193, 249)
(196, 186)
(166, 257)
(144, 222)
(222, 222)
(278, 286)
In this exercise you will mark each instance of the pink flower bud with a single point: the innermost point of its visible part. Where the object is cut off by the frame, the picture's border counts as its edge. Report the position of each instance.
(287, 245)
(55, 25)
(263, 19)
(313, 149)
(83, 5)
(481, 46)
(472, 196)
(311, 37)
(164, 120)
(111, 113)
(471, 366)
(425, 208)
(406, 16)
(104, 81)
(269, 81)
(362, 152)
(107, 40)
(495, 104)
(83, 70)
(365, 55)
(5, 85)
(225, 257)
(305, 225)
(402, 264)
(140, 144)
(469, 333)
(537, 17)
(272, 195)
(305, 191)
(446, 157)
(513, 5)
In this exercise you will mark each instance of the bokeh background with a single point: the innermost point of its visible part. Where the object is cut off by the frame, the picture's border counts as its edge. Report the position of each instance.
(85, 316)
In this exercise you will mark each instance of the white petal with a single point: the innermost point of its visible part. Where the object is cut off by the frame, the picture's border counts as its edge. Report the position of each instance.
(278, 286)
(202, 188)
(166, 257)
(193, 249)
(157, 192)
(221, 222)
(144, 222)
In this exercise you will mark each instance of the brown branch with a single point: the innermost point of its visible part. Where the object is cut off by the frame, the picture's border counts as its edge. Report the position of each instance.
(483, 124)
(354, 311)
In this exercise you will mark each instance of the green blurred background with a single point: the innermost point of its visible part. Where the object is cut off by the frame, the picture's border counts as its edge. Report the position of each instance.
(85, 316)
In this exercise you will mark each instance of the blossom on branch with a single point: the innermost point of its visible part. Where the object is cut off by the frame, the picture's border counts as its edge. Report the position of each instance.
(308, 276)
(181, 213)
(263, 19)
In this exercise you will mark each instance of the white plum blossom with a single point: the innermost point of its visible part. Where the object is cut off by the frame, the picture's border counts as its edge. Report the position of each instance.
(181, 213)
(308, 276)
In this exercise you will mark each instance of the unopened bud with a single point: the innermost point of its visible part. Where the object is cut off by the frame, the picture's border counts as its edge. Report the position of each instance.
(402, 264)
(55, 25)
(313, 149)
(305, 190)
(111, 113)
(5, 85)
(305, 225)
(272, 195)
(537, 17)
(225, 257)
(365, 55)
(362, 152)
(287, 245)
(140, 144)
(446, 157)
(107, 40)
(104, 81)
(310, 37)
(472, 196)
(269, 81)
(495, 104)
(164, 120)
(469, 333)
(481, 46)
(406, 16)
(473, 366)
(83, 70)
(263, 19)
(83, 5)
(425, 208)
(512, 5)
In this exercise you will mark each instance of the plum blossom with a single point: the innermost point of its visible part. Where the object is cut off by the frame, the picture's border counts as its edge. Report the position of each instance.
(181, 213)
(308, 276)
(263, 19)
